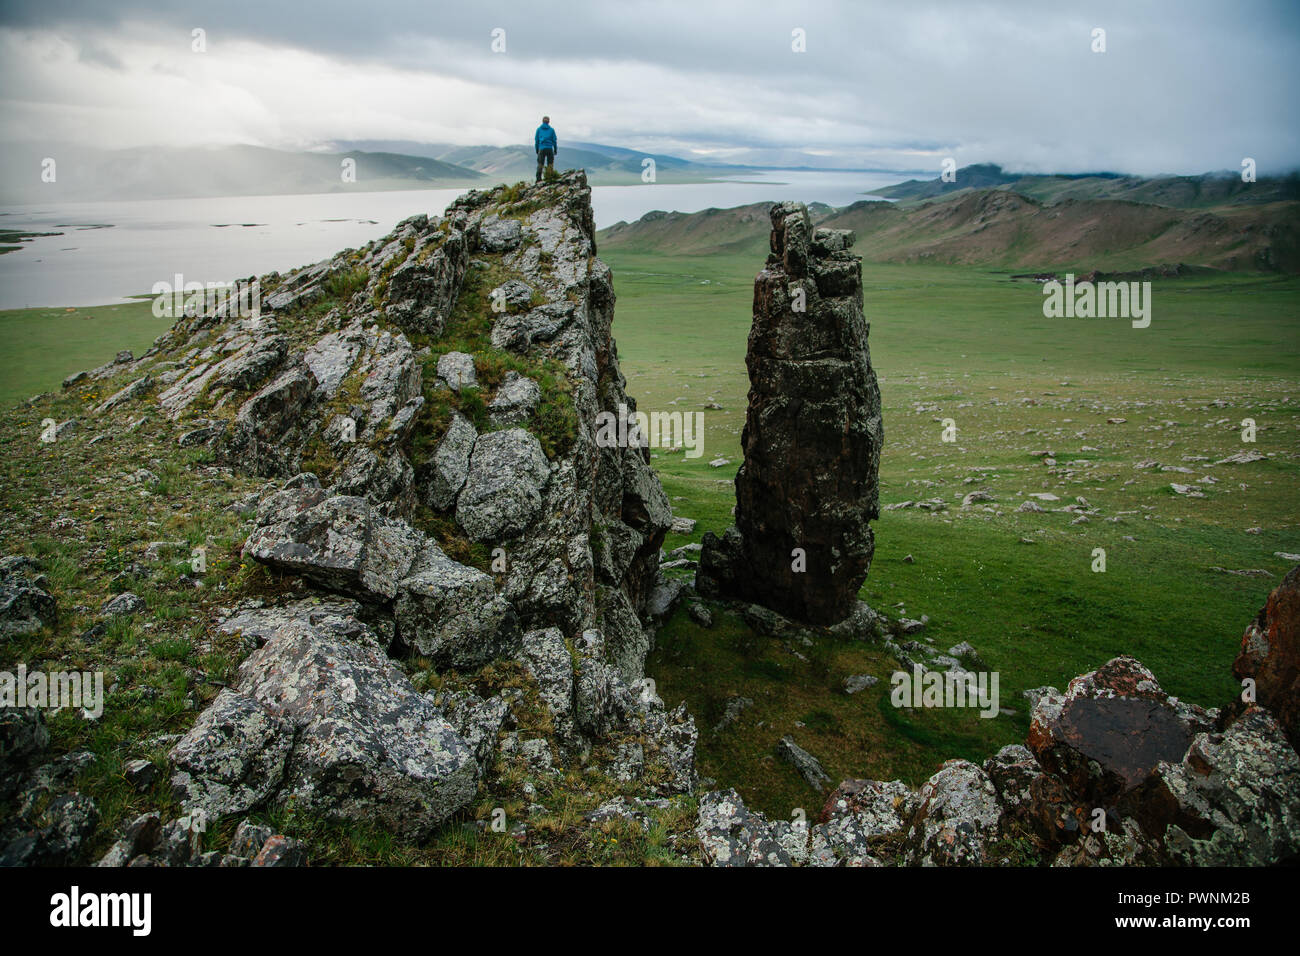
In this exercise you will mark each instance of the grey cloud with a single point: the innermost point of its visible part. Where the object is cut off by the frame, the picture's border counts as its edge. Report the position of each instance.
(1182, 87)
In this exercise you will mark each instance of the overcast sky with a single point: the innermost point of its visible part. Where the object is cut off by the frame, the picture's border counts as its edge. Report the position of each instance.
(1183, 87)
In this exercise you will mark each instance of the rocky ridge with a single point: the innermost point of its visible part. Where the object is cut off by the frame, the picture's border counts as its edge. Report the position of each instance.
(425, 410)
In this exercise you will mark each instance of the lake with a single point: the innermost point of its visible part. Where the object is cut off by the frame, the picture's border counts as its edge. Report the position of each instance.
(111, 250)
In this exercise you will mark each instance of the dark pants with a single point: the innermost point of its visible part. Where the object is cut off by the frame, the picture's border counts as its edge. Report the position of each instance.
(545, 157)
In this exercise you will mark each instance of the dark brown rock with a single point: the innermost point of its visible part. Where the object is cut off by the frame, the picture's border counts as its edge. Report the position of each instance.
(1106, 734)
(1037, 800)
(1270, 655)
(812, 437)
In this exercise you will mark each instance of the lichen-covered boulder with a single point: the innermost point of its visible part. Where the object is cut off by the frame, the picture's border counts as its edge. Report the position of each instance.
(515, 400)
(500, 235)
(332, 357)
(388, 483)
(457, 370)
(451, 613)
(859, 812)
(479, 722)
(256, 622)
(804, 763)
(233, 758)
(366, 746)
(26, 604)
(503, 489)
(1234, 800)
(731, 835)
(956, 818)
(339, 541)
(1038, 800)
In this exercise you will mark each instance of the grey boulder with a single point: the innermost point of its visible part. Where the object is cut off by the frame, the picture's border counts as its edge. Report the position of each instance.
(333, 727)
(341, 542)
(503, 490)
(515, 400)
(444, 475)
(452, 614)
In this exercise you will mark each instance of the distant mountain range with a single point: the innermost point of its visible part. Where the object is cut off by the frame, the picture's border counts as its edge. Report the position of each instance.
(174, 172)
(1002, 229)
(1183, 192)
(605, 165)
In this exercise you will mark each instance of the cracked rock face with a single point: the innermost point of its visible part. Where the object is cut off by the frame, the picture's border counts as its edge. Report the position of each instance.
(808, 488)
(444, 476)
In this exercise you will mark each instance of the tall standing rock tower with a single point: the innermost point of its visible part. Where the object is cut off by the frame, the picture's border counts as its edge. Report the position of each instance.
(807, 489)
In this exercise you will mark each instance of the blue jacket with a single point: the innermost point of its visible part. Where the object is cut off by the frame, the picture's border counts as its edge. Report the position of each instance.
(544, 138)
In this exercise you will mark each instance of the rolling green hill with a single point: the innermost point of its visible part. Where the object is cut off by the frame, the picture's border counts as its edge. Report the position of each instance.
(1183, 192)
(1002, 229)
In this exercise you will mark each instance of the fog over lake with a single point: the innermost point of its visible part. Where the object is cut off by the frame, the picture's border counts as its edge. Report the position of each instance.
(111, 250)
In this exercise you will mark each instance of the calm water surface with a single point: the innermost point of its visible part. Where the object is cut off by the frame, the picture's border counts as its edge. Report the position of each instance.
(108, 251)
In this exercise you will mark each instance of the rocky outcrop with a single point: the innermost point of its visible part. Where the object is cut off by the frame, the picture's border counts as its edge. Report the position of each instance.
(341, 396)
(1270, 655)
(807, 490)
(1117, 773)
(452, 500)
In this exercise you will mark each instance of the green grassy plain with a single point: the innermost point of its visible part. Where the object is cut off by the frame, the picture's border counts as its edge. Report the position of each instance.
(974, 346)
(41, 347)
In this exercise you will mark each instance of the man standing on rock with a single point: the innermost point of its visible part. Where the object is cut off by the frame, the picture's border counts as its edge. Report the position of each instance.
(546, 145)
